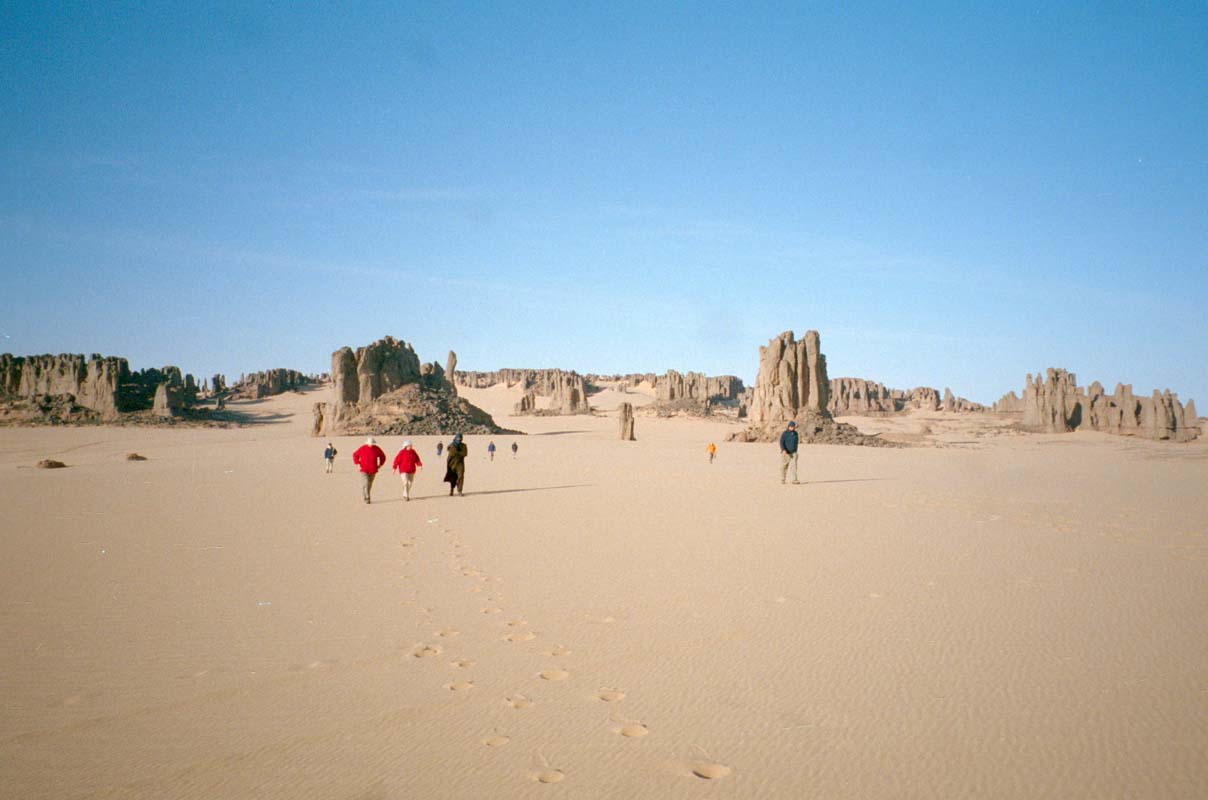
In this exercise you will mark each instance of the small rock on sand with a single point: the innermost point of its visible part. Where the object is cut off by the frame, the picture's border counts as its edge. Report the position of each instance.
(50, 463)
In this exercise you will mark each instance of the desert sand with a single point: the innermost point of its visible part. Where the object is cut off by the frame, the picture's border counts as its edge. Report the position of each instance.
(1003, 616)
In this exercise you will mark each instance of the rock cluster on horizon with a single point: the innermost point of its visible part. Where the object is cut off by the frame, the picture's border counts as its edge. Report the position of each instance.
(383, 389)
(259, 385)
(566, 389)
(698, 393)
(1056, 404)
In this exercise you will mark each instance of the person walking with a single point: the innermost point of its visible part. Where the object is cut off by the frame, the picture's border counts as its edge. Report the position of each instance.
(440, 446)
(369, 457)
(788, 452)
(330, 456)
(515, 447)
(405, 464)
(712, 451)
(491, 450)
(455, 465)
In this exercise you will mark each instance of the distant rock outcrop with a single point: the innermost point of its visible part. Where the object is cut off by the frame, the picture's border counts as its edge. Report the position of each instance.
(1009, 403)
(566, 389)
(383, 388)
(858, 397)
(72, 388)
(625, 416)
(268, 383)
(1056, 404)
(696, 392)
(793, 385)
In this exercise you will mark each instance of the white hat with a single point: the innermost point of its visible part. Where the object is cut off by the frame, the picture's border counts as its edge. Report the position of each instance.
(406, 442)
(370, 440)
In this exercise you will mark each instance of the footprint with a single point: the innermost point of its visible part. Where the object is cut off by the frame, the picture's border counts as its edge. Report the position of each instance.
(474, 589)
(427, 651)
(709, 770)
(546, 775)
(498, 740)
(492, 610)
(518, 701)
(461, 664)
(447, 632)
(517, 623)
(558, 651)
(524, 636)
(610, 695)
(470, 572)
(635, 730)
(553, 674)
(460, 686)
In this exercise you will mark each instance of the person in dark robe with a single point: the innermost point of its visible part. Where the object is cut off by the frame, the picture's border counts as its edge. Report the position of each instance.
(455, 465)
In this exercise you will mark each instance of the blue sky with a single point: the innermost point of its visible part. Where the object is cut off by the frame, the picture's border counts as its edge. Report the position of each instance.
(952, 194)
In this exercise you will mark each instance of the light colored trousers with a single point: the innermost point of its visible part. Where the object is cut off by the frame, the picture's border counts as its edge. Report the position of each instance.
(407, 477)
(366, 485)
(788, 466)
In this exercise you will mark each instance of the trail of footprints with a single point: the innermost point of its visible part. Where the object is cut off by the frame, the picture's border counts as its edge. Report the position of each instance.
(517, 631)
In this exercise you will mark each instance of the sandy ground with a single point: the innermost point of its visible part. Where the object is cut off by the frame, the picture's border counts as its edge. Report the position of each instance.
(1005, 617)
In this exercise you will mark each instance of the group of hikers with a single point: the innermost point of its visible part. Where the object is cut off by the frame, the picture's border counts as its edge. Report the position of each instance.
(370, 458)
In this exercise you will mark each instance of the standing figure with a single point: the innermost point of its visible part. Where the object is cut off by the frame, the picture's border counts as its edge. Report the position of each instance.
(405, 464)
(491, 450)
(455, 465)
(440, 447)
(788, 452)
(369, 457)
(330, 456)
(515, 447)
(712, 451)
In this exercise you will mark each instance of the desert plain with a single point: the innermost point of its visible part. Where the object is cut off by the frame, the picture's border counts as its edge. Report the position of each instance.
(986, 615)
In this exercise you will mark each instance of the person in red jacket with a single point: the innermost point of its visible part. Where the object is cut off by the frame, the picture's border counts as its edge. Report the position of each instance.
(405, 464)
(369, 457)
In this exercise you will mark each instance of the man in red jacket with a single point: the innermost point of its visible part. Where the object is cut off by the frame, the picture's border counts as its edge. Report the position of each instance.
(405, 464)
(369, 457)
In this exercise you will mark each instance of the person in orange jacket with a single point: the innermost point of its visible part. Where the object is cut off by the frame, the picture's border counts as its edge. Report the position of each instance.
(712, 451)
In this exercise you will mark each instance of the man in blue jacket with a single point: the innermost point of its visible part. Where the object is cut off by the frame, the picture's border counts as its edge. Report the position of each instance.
(788, 452)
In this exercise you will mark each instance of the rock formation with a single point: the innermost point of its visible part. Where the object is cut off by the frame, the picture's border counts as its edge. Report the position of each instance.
(698, 393)
(1056, 404)
(162, 406)
(527, 404)
(856, 396)
(625, 415)
(1009, 403)
(566, 389)
(100, 387)
(792, 385)
(267, 384)
(316, 428)
(924, 398)
(792, 381)
(383, 388)
(451, 371)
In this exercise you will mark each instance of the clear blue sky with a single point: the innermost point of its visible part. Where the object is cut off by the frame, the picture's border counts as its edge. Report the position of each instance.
(953, 195)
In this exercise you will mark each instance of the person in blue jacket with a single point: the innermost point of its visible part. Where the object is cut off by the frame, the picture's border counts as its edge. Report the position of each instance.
(788, 452)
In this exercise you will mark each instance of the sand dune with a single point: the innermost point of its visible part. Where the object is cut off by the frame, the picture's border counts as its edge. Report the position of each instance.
(1009, 616)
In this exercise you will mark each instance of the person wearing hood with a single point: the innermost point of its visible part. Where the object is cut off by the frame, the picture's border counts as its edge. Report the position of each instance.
(405, 464)
(455, 465)
(369, 457)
